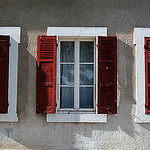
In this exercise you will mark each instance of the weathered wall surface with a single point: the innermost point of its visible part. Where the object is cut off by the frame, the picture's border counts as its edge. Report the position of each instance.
(34, 16)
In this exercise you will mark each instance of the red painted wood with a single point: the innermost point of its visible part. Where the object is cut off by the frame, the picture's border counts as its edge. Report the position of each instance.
(4, 68)
(107, 75)
(147, 75)
(46, 74)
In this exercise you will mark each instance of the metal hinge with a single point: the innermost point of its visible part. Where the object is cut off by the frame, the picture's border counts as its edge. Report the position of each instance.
(146, 47)
(146, 106)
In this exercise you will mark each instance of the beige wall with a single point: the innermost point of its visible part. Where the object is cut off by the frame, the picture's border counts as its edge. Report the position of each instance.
(34, 16)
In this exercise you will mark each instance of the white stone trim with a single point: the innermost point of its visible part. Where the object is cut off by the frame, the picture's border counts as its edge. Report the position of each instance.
(93, 118)
(14, 33)
(72, 32)
(77, 31)
(139, 35)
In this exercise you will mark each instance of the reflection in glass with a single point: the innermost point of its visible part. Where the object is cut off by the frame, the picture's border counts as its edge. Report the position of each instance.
(67, 51)
(66, 74)
(86, 97)
(66, 97)
(87, 51)
(86, 74)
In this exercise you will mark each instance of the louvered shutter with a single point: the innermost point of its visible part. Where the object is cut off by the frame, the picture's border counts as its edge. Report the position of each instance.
(147, 75)
(107, 75)
(4, 67)
(46, 74)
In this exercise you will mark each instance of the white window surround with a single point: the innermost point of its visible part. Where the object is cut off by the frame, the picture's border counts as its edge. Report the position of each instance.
(78, 32)
(14, 33)
(139, 35)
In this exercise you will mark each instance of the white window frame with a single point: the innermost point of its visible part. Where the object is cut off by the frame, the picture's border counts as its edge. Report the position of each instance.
(139, 35)
(91, 32)
(14, 33)
(76, 85)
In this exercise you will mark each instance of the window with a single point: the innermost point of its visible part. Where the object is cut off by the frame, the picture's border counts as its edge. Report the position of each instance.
(76, 77)
(9, 39)
(141, 40)
(83, 87)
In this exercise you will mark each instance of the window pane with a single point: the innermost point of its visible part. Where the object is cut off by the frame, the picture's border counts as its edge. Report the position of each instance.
(86, 74)
(86, 97)
(66, 97)
(67, 51)
(87, 51)
(66, 74)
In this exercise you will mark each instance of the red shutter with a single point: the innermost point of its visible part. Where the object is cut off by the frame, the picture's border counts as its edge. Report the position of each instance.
(4, 67)
(107, 75)
(46, 74)
(147, 75)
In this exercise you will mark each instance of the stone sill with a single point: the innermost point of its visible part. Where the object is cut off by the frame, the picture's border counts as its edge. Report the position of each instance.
(88, 118)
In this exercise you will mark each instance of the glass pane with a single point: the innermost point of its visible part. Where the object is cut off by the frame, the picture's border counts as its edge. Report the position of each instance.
(86, 74)
(87, 51)
(66, 74)
(86, 97)
(67, 51)
(66, 97)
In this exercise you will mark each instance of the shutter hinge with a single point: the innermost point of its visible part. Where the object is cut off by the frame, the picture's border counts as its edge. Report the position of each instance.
(9, 44)
(56, 44)
(147, 47)
(56, 104)
(146, 106)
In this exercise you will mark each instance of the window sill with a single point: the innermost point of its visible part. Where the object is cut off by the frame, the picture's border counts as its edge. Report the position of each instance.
(89, 118)
(9, 117)
(139, 118)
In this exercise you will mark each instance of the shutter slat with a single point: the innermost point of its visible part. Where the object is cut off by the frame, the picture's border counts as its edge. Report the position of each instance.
(46, 60)
(46, 74)
(4, 68)
(107, 75)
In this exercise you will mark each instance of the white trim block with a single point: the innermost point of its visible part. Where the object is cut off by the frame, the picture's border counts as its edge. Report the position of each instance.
(14, 33)
(93, 118)
(77, 31)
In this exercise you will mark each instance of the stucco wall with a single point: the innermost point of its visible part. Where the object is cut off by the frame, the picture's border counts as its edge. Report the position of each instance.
(34, 16)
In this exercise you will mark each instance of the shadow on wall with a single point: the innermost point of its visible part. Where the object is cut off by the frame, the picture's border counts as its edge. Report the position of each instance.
(124, 120)
(126, 89)
(23, 74)
(34, 133)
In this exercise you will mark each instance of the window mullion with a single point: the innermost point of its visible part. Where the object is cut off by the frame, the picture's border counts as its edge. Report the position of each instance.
(76, 75)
